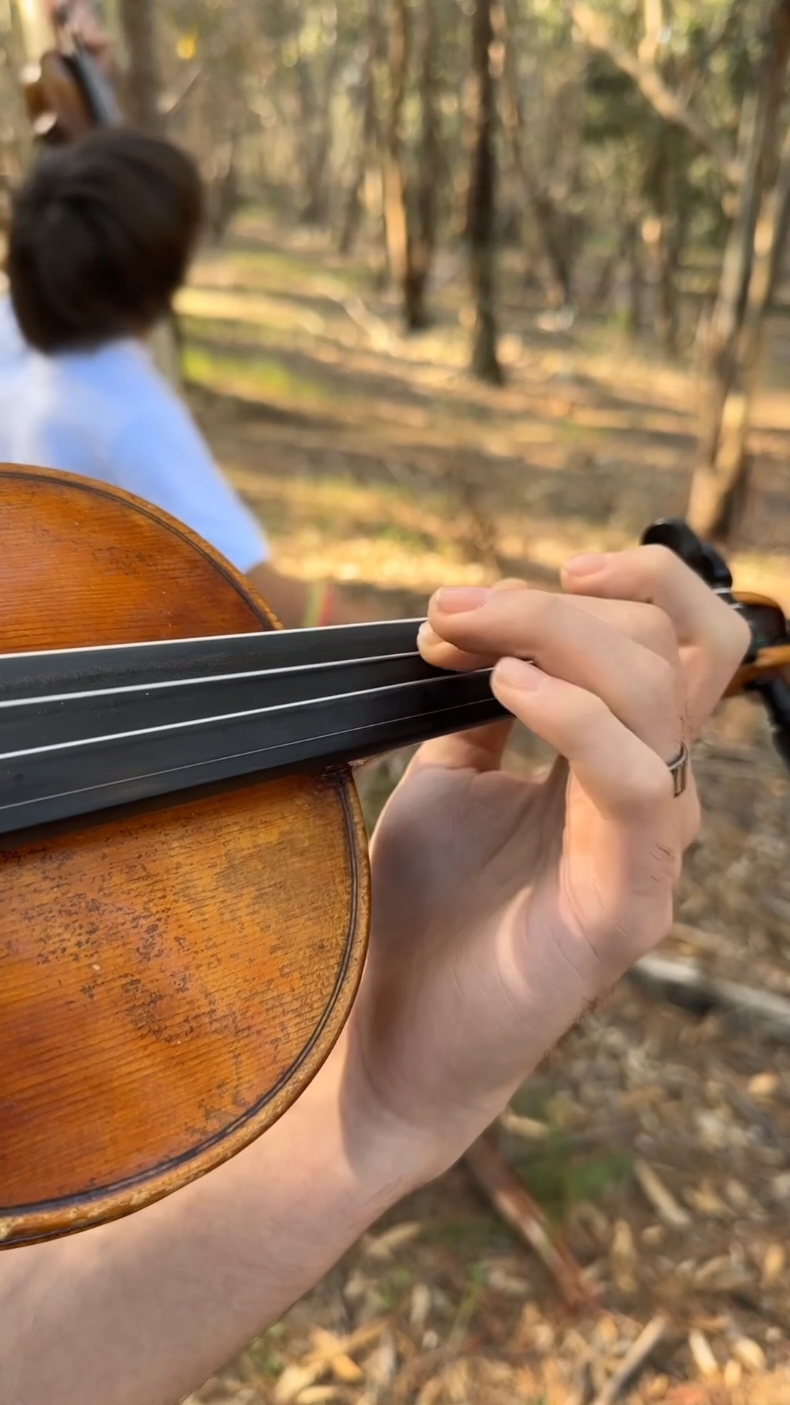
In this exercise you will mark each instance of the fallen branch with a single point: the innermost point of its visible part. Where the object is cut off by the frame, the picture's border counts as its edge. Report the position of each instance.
(680, 978)
(634, 1361)
(511, 1199)
(596, 32)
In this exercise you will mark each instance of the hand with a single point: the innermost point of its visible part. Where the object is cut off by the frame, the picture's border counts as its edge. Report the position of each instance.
(86, 26)
(502, 906)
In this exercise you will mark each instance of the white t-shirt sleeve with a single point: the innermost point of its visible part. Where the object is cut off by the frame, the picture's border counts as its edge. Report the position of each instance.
(161, 457)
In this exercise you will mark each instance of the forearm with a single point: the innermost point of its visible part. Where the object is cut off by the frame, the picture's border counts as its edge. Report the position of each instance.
(142, 1311)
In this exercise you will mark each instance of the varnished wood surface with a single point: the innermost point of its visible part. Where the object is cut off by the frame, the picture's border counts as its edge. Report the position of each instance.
(172, 976)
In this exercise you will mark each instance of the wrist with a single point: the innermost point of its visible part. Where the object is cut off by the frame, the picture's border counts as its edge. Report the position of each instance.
(386, 1155)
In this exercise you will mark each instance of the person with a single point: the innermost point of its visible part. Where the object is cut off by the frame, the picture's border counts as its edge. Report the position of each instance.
(503, 908)
(101, 235)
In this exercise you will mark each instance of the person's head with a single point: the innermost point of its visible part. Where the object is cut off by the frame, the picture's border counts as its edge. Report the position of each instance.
(101, 236)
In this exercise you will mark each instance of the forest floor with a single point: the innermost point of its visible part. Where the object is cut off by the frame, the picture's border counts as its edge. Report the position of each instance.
(373, 459)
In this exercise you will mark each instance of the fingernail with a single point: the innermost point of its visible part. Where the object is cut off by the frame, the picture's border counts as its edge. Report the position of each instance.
(456, 599)
(427, 636)
(515, 673)
(585, 565)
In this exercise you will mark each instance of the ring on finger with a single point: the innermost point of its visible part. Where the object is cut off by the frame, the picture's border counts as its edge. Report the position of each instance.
(679, 771)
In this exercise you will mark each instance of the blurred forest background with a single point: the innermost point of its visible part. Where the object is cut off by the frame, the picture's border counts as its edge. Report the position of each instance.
(488, 282)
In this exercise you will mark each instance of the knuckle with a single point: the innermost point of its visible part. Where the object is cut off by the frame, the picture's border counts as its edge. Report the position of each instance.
(544, 615)
(660, 562)
(657, 631)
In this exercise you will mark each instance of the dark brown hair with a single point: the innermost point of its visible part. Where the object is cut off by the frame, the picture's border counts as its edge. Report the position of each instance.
(101, 236)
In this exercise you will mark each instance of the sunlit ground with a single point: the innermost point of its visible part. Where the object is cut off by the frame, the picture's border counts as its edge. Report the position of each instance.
(374, 458)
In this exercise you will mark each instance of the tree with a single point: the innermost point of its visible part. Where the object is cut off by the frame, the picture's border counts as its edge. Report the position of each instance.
(422, 222)
(396, 212)
(734, 335)
(369, 136)
(481, 202)
(758, 174)
(410, 200)
(138, 24)
(557, 229)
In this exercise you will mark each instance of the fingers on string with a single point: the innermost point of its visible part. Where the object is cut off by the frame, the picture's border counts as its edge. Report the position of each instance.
(443, 654)
(646, 624)
(656, 576)
(624, 777)
(640, 687)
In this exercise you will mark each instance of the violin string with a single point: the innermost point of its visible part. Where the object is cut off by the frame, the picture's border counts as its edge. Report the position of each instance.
(139, 734)
(22, 813)
(40, 700)
(37, 676)
(216, 640)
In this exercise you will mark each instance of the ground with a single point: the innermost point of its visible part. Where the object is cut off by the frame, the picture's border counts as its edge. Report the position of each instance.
(374, 460)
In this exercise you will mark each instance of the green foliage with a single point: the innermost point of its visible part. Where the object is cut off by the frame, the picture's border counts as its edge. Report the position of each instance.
(559, 1177)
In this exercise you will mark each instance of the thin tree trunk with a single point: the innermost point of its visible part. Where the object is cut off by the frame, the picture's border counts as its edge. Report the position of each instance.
(141, 91)
(481, 208)
(317, 139)
(552, 228)
(660, 189)
(421, 241)
(634, 249)
(666, 291)
(368, 143)
(138, 22)
(735, 333)
(396, 208)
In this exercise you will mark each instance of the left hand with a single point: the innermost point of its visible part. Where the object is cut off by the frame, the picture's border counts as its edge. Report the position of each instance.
(503, 906)
(88, 28)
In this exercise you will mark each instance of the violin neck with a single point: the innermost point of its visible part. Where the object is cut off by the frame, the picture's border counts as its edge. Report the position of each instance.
(84, 730)
(96, 89)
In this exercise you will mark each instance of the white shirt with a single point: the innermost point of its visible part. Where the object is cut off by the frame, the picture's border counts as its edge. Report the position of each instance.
(107, 414)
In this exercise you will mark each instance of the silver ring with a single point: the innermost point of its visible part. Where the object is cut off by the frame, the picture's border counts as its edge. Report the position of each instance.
(679, 771)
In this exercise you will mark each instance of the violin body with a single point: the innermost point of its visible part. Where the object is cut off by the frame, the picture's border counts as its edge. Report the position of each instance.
(172, 974)
(177, 959)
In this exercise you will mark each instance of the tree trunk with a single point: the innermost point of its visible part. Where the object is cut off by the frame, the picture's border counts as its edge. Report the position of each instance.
(634, 249)
(141, 92)
(554, 230)
(481, 208)
(316, 144)
(368, 143)
(661, 189)
(138, 22)
(396, 205)
(735, 333)
(421, 240)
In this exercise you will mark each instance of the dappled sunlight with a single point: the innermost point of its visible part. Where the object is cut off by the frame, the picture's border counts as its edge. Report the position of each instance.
(374, 458)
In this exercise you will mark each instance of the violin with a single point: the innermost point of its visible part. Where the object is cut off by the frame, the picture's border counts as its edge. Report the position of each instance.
(183, 859)
(185, 889)
(66, 93)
